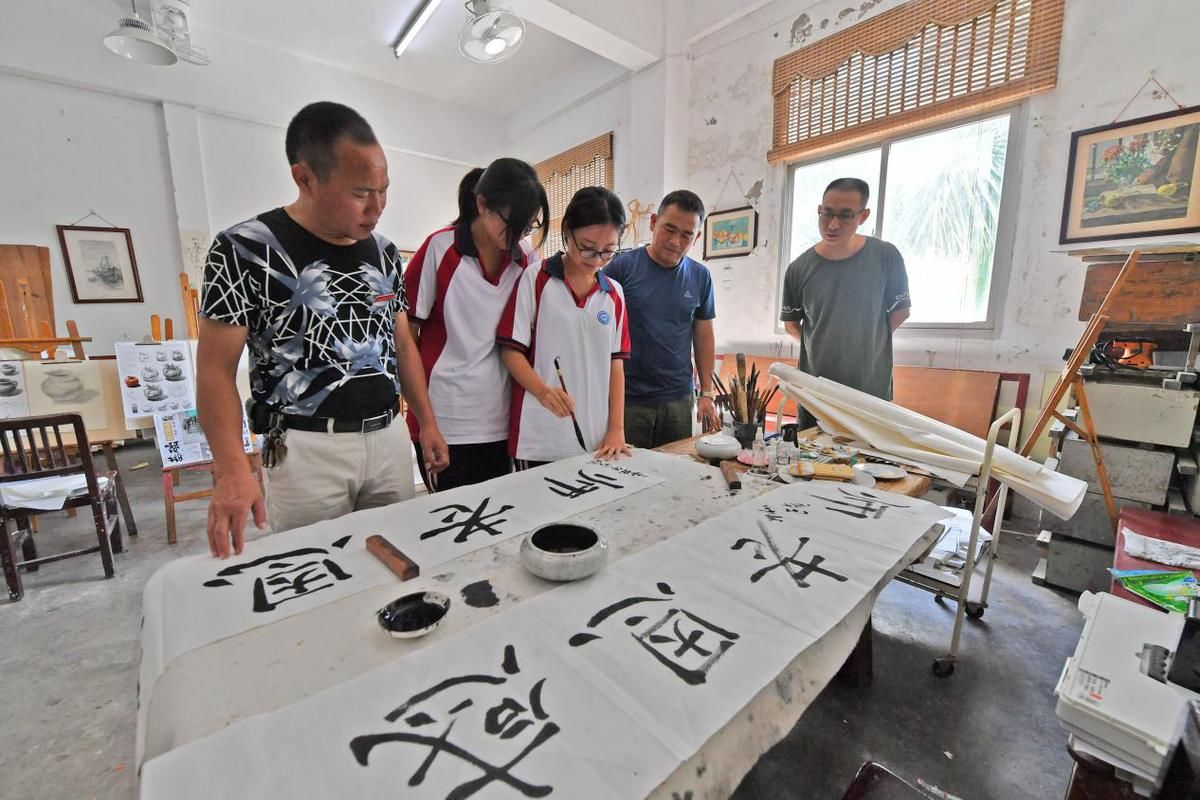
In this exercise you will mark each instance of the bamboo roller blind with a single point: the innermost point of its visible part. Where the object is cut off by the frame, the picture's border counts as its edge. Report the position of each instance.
(588, 164)
(923, 63)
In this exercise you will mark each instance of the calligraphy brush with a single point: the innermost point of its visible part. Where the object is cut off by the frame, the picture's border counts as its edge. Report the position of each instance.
(762, 414)
(720, 386)
(563, 383)
(724, 399)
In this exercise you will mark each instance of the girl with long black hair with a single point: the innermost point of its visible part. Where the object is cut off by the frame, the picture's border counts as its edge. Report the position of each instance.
(458, 284)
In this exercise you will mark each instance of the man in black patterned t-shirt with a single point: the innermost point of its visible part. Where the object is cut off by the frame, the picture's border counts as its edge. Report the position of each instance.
(317, 296)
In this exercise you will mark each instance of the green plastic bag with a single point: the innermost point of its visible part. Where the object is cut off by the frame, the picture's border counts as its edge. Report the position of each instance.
(1170, 590)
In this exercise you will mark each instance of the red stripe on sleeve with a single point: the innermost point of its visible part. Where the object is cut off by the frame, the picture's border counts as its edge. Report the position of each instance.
(623, 344)
(433, 330)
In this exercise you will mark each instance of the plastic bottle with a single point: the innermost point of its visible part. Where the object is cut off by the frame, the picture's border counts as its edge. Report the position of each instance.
(758, 457)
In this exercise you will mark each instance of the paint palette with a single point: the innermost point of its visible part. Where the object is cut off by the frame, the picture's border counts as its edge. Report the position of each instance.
(884, 472)
(413, 614)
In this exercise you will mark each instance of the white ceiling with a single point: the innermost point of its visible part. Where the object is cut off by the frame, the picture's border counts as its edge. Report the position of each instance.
(356, 35)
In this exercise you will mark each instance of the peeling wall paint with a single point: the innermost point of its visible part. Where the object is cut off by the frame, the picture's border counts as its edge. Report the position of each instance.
(801, 30)
(1098, 72)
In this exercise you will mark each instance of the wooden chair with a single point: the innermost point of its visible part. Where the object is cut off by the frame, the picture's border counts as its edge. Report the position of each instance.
(172, 478)
(33, 448)
(876, 782)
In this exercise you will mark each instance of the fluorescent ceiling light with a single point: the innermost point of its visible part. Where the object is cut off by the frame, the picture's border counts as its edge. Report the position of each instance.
(414, 27)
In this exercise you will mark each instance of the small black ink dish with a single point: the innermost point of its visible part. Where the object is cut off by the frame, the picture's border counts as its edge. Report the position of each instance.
(413, 614)
(563, 551)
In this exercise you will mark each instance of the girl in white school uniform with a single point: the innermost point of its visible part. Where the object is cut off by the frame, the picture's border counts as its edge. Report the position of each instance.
(458, 284)
(566, 324)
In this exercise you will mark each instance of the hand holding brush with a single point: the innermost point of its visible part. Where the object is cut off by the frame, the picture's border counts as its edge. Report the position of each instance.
(563, 383)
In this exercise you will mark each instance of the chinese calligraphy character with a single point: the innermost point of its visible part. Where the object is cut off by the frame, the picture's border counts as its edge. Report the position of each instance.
(507, 721)
(861, 504)
(586, 483)
(803, 570)
(288, 575)
(612, 467)
(479, 519)
(683, 642)
(771, 514)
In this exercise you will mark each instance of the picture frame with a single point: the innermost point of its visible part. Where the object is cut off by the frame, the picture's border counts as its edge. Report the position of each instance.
(1140, 177)
(101, 266)
(730, 233)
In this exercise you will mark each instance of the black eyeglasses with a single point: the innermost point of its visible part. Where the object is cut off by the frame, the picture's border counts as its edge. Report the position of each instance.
(529, 229)
(841, 216)
(592, 255)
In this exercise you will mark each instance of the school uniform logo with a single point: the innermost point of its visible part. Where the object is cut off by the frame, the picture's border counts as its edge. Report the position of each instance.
(604, 317)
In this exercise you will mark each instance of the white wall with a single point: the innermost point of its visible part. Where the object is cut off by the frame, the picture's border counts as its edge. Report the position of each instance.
(730, 126)
(421, 198)
(537, 136)
(60, 39)
(185, 148)
(647, 112)
(66, 151)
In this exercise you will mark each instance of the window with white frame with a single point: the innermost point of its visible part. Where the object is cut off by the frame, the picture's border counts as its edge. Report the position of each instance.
(936, 196)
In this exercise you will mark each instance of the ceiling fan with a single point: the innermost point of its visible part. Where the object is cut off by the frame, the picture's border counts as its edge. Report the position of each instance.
(162, 41)
(490, 36)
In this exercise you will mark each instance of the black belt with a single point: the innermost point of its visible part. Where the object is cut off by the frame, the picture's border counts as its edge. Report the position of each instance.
(333, 425)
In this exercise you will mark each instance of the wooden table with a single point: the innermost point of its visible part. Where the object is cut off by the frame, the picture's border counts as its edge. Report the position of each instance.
(859, 666)
(272, 666)
(912, 485)
(1156, 525)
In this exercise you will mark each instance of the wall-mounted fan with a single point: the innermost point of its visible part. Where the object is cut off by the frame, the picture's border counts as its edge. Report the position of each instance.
(491, 35)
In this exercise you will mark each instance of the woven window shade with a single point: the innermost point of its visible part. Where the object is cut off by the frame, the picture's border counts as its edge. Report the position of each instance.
(922, 64)
(589, 164)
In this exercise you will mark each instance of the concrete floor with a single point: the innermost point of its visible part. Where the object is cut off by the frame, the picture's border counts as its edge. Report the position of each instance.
(70, 652)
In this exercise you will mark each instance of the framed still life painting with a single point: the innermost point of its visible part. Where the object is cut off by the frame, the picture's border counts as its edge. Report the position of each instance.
(730, 233)
(1133, 178)
(100, 264)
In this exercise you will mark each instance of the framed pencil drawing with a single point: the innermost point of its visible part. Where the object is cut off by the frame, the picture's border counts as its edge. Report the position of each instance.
(730, 233)
(1134, 178)
(101, 267)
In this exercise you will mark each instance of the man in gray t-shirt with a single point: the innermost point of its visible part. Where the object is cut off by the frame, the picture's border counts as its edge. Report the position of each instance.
(843, 297)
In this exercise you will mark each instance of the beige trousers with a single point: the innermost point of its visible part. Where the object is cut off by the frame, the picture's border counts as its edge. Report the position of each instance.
(326, 475)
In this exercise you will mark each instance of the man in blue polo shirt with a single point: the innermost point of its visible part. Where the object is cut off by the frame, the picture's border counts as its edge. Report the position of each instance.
(670, 305)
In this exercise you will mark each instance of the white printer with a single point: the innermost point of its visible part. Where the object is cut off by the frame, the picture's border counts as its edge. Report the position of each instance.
(1112, 696)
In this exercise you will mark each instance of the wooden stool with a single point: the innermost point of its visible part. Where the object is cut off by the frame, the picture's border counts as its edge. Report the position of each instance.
(171, 478)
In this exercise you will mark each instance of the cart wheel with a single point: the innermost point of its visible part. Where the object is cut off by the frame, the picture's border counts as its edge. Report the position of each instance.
(937, 598)
(975, 610)
(943, 667)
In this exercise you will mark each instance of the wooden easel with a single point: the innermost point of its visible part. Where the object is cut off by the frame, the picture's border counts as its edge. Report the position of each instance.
(1071, 379)
(47, 342)
(162, 329)
(191, 306)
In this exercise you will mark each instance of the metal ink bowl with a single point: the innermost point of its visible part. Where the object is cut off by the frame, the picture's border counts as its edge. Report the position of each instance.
(413, 614)
(563, 551)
